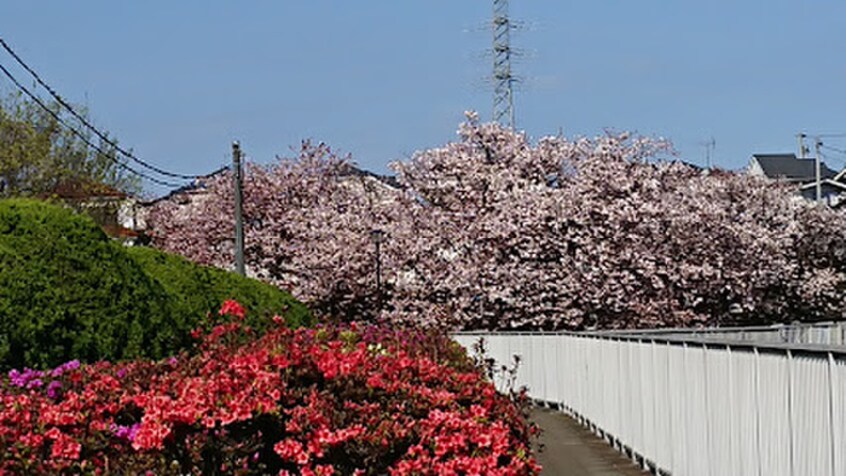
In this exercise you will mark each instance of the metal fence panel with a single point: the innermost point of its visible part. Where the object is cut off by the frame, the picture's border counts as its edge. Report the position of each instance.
(745, 454)
(647, 390)
(719, 399)
(810, 408)
(663, 437)
(696, 416)
(678, 402)
(774, 414)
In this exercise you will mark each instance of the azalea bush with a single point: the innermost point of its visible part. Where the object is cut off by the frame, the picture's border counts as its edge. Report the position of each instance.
(354, 400)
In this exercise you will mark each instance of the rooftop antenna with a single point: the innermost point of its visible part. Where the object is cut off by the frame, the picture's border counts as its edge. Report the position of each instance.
(709, 145)
(803, 149)
(503, 78)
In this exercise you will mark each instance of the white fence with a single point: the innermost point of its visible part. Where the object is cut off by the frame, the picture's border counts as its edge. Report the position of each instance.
(692, 405)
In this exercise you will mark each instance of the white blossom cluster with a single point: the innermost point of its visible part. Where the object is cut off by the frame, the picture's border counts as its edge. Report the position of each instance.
(492, 231)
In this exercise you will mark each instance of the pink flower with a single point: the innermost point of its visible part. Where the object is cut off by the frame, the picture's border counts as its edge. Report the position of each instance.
(232, 308)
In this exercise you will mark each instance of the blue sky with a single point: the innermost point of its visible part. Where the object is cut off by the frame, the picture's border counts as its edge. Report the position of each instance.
(178, 80)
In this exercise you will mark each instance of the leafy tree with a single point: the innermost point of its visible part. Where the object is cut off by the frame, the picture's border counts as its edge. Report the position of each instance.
(37, 152)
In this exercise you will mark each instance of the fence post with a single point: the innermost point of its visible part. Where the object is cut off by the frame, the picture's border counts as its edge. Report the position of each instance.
(758, 410)
(833, 415)
(709, 422)
(790, 410)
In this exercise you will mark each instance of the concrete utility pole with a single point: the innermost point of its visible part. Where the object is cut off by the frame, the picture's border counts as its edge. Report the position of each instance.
(239, 210)
(817, 144)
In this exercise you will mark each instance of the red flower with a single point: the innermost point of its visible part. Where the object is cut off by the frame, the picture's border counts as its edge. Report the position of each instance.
(232, 308)
(292, 450)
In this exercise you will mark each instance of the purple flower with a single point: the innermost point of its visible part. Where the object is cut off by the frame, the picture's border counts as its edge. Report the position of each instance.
(66, 367)
(53, 389)
(125, 432)
(28, 378)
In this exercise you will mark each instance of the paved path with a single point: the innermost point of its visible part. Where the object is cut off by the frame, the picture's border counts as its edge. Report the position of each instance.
(569, 449)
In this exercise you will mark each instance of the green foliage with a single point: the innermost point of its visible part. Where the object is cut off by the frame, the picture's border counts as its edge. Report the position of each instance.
(37, 153)
(67, 291)
(197, 290)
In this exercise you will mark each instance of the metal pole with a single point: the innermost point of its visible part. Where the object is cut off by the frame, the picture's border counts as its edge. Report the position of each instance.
(378, 277)
(239, 210)
(378, 236)
(817, 145)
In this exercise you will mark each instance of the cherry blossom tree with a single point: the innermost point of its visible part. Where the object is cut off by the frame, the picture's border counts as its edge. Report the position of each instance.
(494, 231)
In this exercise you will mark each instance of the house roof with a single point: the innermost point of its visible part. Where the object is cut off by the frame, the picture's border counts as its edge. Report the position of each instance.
(76, 189)
(349, 170)
(196, 184)
(117, 231)
(787, 166)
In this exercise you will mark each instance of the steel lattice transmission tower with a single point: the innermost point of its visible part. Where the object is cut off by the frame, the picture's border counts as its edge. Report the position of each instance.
(503, 79)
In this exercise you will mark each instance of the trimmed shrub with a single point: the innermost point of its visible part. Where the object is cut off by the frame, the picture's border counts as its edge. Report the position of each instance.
(197, 290)
(67, 291)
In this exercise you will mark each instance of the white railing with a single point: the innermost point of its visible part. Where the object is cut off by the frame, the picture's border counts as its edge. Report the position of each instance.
(823, 333)
(692, 405)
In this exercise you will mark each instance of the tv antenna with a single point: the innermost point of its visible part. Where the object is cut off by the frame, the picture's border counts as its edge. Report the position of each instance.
(709, 145)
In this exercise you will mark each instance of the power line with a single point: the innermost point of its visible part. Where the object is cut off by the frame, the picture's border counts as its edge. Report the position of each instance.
(85, 122)
(78, 134)
(833, 159)
(833, 149)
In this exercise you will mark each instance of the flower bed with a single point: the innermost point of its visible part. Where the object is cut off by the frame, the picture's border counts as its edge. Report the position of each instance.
(353, 400)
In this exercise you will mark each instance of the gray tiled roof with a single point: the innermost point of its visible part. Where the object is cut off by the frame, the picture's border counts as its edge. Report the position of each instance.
(787, 166)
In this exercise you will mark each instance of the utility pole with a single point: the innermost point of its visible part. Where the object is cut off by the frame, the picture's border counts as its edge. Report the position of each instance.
(503, 78)
(803, 150)
(817, 145)
(239, 210)
(378, 237)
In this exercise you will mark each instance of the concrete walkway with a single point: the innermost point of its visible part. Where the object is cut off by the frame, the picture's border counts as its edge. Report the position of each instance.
(569, 449)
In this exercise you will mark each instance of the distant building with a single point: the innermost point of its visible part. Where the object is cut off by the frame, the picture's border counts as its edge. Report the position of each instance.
(186, 197)
(113, 210)
(381, 187)
(787, 168)
(801, 172)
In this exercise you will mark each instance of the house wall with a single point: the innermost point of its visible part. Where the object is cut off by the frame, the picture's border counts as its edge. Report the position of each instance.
(754, 168)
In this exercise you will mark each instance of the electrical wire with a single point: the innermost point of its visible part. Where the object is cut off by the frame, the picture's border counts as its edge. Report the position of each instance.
(833, 149)
(831, 158)
(78, 134)
(87, 124)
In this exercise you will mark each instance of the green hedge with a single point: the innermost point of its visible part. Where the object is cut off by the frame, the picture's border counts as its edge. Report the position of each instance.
(67, 291)
(197, 290)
